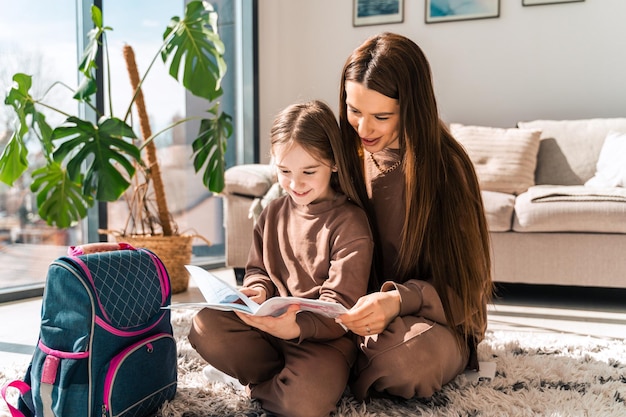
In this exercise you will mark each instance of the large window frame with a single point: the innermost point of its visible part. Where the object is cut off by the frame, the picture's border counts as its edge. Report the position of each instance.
(243, 147)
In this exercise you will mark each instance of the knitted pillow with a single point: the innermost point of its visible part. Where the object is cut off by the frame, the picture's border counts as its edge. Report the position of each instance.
(504, 159)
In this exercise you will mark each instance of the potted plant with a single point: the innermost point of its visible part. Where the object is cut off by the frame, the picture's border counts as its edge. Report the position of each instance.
(87, 161)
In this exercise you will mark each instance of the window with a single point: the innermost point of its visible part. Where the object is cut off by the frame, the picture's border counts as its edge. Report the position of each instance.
(38, 38)
(46, 47)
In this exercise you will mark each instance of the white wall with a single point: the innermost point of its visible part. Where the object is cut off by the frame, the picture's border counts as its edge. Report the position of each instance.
(560, 61)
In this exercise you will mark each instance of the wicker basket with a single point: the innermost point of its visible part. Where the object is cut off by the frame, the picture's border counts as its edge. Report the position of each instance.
(174, 251)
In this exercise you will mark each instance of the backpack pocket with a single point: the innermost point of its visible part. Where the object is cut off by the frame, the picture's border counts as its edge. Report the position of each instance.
(59, 381)
(154, 358)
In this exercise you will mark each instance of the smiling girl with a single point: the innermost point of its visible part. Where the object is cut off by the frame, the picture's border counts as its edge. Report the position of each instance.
(314, 242)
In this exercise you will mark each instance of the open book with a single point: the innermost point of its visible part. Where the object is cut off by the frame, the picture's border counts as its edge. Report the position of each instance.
(219, 295)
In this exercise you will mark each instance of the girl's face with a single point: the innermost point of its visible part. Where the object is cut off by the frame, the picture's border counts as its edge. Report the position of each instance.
(374, 116)
(304, 178)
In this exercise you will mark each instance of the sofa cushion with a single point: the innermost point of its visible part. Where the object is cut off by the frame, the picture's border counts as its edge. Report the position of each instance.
(249, 179)
(611, 166)
(498, 210)
(555, 209)
(569, 149)
(504, 159)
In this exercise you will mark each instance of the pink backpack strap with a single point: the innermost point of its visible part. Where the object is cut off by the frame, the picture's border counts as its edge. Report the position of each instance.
(23, 387)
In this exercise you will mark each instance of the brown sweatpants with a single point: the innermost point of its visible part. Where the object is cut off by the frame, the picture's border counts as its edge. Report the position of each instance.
(289, 379)
(413, 357)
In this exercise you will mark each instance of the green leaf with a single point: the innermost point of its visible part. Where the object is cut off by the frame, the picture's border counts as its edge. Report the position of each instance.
(24, 105)
(20, 99)
(60, 200)
(88, 60)
(13, 161)
(100, 153)
(44, 132)
(96, 16)
(86, 89)
(88, 64)
(210, 146)
(195, 51)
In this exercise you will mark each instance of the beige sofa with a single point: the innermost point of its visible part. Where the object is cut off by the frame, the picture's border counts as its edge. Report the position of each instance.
(546, 225)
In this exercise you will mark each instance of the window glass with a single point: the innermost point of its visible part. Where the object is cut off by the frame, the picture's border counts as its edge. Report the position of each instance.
(37, 38)
(195, 210)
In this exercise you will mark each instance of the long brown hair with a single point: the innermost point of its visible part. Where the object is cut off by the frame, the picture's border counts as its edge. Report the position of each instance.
(444, 238)
(313, 126)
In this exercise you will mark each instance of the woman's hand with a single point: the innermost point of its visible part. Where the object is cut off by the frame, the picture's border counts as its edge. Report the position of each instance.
(372, 313)
(283, 326)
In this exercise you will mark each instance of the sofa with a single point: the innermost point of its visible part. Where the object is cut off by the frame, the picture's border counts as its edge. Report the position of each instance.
(554, 193)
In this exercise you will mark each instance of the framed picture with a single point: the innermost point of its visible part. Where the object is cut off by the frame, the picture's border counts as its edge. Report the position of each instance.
(451, 10)
(540, 2)
(377, 12)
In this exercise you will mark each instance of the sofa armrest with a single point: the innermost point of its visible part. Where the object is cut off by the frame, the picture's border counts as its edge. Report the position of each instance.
(252, 180)
(243, 184)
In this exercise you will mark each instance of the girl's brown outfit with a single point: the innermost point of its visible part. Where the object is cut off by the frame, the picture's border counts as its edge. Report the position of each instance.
(323, 251)
(417, 353)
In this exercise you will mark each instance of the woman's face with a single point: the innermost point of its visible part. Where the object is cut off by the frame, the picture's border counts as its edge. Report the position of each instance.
(304, 178)
(374, 116)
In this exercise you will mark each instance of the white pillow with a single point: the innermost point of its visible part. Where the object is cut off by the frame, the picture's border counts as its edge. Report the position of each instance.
(504, 159)
(611, 166)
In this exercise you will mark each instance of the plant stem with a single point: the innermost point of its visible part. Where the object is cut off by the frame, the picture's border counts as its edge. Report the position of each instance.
(42, 104)
(62, 84)
(149, 140)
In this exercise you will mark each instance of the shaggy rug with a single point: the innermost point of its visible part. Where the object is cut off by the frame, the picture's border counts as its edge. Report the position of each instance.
(537, 374)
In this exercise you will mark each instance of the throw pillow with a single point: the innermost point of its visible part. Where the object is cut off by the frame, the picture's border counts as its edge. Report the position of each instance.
(611, 166)
(569, 149)
(504, 159)
(249, 179)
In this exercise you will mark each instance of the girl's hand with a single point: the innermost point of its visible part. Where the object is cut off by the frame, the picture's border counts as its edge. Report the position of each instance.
(372, 313)
(283, 326)
(256, 294)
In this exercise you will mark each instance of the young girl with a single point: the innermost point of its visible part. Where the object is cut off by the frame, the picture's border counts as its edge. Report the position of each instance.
(314, 242)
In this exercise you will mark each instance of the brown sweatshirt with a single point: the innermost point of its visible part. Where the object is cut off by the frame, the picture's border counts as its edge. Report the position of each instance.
(418, 296)
(319, 251)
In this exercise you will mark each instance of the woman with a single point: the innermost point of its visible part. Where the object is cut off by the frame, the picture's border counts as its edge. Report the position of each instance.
(421, 328)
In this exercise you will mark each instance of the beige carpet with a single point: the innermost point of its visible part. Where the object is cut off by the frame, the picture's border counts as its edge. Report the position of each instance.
(537, 374)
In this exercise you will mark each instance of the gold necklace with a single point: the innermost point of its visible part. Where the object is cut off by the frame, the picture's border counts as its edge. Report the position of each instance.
(388, 170)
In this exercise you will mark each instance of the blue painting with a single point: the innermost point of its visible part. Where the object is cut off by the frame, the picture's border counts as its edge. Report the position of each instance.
(376, 12)
(449, 10)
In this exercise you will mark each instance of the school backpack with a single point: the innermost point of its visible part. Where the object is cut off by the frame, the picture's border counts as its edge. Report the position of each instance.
(106, 346)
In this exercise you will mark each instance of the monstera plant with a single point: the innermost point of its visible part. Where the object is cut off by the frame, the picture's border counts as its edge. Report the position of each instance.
(87, 161)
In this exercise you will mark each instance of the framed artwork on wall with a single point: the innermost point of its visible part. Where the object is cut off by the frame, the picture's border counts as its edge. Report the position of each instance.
(377, 12)
(451, 10)
(541, 2)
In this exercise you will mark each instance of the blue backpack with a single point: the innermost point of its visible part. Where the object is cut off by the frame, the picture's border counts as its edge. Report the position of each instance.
(106, 347)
